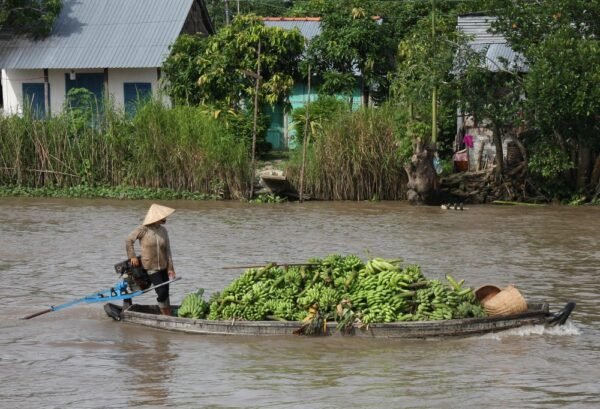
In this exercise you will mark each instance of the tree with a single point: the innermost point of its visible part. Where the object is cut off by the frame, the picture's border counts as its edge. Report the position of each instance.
(559, 39)
(233, 53)
(182, 71)
(354, 43)
(422, 85)
(34, 17)
(494, 99)
(243, 66)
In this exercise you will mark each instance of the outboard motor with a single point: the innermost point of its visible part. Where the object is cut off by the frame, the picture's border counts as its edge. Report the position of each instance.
(136, 277)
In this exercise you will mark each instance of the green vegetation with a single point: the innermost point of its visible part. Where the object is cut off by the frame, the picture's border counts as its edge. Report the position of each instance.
(29, 17)
(268, 198)
(352, 41)
(183, 149)
(405, 63)
(320, 112)
(354, 156)
(105, 192)
(561, 107)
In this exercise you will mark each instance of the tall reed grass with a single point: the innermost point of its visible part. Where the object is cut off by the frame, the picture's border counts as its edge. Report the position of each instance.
(355, 156)
(179, 148)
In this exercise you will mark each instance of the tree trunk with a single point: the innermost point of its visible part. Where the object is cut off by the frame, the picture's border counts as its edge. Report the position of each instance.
(423, 183)
(596, 172)
(499, 153)
(365, 93)
(584, 162)
(366, 97)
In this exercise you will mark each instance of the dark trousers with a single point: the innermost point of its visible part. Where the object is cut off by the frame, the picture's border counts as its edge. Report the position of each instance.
(163, 291)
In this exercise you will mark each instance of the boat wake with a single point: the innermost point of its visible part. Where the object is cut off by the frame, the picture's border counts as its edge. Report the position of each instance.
(568, 329)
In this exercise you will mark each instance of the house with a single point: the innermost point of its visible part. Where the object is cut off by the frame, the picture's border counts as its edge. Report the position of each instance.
(498, 57)
(114, 47)
(281, 131)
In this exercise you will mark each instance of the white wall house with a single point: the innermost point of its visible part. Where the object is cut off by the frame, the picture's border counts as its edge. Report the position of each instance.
(106, 46)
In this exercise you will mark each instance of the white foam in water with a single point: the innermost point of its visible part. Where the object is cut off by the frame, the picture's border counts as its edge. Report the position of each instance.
(568, 329)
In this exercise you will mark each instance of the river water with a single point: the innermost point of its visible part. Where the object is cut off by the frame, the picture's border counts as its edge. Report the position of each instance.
(53, 251)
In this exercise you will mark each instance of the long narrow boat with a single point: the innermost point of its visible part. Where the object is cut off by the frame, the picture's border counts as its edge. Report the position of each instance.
(149, 315)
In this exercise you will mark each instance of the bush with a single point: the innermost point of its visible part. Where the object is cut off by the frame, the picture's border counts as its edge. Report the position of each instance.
(355, 156)
(182, 149)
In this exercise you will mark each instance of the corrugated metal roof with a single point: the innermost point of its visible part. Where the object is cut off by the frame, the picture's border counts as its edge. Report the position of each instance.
(502, 57)
(498, 54)
(478, 28)
(102, 34)
(309, 27)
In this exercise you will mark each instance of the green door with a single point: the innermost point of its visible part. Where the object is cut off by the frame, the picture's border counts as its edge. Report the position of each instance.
(275, 133)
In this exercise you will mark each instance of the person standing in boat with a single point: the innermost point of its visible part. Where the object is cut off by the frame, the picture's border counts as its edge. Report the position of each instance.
(155, 252)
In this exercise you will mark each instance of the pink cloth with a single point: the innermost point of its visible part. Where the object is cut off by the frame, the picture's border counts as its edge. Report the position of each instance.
(468, 140)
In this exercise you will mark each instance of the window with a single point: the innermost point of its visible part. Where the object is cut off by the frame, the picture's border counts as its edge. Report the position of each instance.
(136, 93)
(34, 99)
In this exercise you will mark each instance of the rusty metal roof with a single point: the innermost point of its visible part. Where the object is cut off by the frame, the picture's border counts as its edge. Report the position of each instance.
(102, 34)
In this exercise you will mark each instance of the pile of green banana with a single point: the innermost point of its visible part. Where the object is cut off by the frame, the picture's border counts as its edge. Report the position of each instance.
(193, 305)
(346, 289)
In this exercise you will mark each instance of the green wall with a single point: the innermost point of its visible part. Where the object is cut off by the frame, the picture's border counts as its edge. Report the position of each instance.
(298, 98)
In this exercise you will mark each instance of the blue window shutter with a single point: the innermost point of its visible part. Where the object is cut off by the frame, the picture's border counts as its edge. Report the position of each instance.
(135, 92)
(34, 99)
(93, 82)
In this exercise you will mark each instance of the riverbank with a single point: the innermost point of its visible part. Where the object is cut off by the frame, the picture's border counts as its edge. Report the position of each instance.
(105, 192)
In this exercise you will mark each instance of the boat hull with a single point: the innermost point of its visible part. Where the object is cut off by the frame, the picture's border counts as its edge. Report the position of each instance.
(149, 316)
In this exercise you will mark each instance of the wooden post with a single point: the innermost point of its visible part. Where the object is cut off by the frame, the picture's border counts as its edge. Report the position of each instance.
(46, 93)
(305, 140)
(256, 90)
(106, 93)
(434, 92)
(226, 12)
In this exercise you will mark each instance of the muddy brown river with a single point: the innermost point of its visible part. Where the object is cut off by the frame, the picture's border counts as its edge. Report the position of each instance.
(53, 251)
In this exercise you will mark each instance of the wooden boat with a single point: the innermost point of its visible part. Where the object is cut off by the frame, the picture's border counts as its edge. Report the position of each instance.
(149, 315)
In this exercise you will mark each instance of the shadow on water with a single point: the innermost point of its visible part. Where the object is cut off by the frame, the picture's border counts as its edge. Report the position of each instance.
(150, 363)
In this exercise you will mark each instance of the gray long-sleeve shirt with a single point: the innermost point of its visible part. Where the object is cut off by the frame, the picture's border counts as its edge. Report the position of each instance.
(155, 247)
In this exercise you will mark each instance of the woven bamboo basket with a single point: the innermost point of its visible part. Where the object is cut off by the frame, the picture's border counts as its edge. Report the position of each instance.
(507, 302)
(485, 292)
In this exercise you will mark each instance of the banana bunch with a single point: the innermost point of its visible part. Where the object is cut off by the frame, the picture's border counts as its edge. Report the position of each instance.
(379, 290)
(246, 312)
(378, 264)
(326, 297)
(467, 309)
(193, 305)
(382, 292)
(283, 310)
(437, 301)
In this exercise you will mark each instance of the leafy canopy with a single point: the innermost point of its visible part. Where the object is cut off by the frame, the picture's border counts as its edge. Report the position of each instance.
(232, 56)
(353, 42)
(34, 17)
(559, 39)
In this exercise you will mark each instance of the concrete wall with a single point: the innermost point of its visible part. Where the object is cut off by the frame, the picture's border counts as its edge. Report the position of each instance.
(12, 85)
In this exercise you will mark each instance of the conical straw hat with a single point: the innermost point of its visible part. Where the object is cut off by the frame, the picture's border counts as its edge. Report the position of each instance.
(156, 213)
